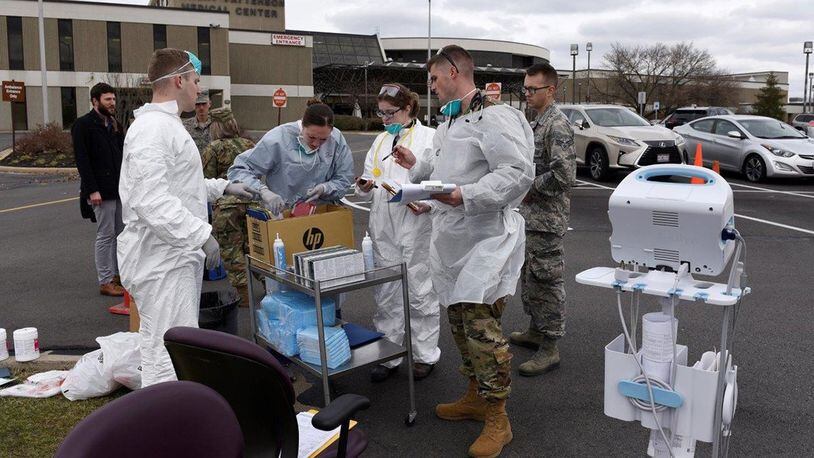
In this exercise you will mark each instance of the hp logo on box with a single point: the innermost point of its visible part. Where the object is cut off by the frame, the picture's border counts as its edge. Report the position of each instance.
(313, 238)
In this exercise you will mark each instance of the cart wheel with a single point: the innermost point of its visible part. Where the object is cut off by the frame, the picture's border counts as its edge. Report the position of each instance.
(409, 420)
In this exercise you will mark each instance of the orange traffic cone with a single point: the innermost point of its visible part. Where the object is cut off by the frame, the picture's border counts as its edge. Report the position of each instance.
(716, 167)
(699, 162)
(123, 308)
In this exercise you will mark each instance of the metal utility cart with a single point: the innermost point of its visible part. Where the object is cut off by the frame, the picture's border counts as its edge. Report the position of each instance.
(375, 352)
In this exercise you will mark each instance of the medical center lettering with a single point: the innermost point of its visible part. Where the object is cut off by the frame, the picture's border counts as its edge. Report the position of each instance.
(222, 6)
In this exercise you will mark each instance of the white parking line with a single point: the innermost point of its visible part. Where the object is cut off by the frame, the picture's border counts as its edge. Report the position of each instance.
(757, 191)
(772, 223)
(595, 185)
(750, 218)
(772, 190)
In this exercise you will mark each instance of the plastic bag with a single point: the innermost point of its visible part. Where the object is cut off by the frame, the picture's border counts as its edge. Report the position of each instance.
(87, 379)
(42, 385)
(122, 358)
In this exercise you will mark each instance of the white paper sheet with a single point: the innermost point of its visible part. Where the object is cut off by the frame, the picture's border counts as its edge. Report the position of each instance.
(411, 192)
(311, 439)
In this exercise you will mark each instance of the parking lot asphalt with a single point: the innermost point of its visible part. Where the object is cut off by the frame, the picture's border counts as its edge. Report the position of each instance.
(47, 280)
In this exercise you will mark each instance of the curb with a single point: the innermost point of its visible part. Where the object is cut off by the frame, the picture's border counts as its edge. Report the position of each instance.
(37, 170)
(48, 360)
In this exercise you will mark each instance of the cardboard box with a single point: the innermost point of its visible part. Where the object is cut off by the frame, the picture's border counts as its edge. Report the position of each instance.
(330, 225)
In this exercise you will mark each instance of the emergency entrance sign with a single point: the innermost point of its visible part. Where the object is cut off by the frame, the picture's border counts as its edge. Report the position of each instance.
(13, 91)
(493, 90)
(280, 98)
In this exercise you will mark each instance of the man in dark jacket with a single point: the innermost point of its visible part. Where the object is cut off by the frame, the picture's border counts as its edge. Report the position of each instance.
(98, 141)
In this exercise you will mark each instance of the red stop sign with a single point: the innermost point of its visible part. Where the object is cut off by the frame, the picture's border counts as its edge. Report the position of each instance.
(280, 98)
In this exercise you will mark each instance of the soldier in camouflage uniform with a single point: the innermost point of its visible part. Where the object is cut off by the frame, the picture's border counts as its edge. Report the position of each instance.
(198, 125)
(546, 209)
(229, 213)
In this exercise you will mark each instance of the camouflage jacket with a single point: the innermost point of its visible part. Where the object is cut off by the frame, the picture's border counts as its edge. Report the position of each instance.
(218, 156)
(199, 135)
(547, 206)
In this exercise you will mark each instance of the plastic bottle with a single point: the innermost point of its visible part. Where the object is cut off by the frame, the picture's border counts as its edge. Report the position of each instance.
(26, 344)
(3, 345)
(367, 252)
(279, 257)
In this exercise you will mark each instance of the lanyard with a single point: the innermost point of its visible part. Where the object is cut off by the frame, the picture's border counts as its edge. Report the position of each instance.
(377, 171)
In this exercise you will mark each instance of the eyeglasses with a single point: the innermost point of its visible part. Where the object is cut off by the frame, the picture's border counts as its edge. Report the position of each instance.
(449, 59)
(533, 90)
(390, 90)
(387, 114)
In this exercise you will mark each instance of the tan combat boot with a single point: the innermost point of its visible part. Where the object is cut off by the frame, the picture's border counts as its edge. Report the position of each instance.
(469, 407)
(243, 291)
(530, 338)
(497, 432)
(546, 359)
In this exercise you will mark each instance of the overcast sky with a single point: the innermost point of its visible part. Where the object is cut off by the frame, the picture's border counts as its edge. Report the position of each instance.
(742, 35)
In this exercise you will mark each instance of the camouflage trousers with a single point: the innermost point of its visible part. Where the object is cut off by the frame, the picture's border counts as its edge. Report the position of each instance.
(543, 285)
(230, 230)
(485, 352)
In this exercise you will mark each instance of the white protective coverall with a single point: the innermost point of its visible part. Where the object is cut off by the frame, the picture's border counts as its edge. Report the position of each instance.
(478, 248)
(401, 236)
(277, 163)
(164, 196)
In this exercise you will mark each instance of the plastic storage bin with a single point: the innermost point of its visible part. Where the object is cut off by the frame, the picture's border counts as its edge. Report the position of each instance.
(695, 416)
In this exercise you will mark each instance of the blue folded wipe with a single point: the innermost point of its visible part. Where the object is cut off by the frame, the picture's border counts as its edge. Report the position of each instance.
(298, 310)
(336, 346)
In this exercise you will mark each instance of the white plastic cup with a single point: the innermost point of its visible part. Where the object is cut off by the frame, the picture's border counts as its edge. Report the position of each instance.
(3, 345)
(26, 345)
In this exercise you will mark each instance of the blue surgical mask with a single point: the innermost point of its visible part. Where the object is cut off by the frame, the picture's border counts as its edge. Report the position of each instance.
(394, 128)
(453, 107)
(304, 148)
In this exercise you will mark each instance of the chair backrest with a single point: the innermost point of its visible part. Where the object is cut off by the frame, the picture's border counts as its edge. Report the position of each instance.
(172, 419)
(250, 379)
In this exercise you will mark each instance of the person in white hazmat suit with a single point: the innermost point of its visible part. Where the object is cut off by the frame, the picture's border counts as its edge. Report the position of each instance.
(164, 195)
(399, 235)
(478, 242)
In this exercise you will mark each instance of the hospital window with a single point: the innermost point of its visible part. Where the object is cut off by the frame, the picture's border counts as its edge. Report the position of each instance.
(68, 106)
(15, 42)
(204, 50)
(65, 29)
(159, 36)
(114, 47)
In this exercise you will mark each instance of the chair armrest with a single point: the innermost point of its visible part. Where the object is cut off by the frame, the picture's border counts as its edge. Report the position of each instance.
(339, 411)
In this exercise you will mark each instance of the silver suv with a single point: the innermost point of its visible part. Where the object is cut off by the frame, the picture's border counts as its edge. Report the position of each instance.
(612, 137)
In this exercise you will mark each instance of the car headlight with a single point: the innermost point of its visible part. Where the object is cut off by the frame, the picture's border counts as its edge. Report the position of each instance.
(778, 151)
(623, 141)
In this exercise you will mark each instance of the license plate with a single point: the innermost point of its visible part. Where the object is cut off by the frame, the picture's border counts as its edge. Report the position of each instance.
(663, 157)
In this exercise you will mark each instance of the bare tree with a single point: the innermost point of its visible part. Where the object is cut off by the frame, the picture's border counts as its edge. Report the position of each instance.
(675, 75)
(130, 95)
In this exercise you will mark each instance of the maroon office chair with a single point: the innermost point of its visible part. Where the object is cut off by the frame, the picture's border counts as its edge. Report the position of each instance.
(260, 392)
(172, 419)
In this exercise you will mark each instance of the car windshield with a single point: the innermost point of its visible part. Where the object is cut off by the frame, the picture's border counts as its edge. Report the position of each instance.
(689, 115)
(615, 117)
(770, 129)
